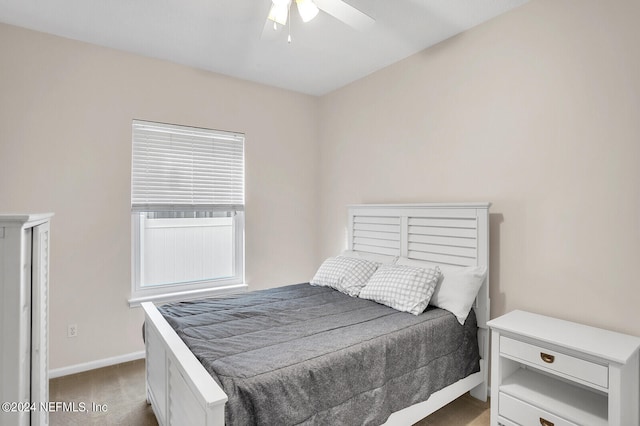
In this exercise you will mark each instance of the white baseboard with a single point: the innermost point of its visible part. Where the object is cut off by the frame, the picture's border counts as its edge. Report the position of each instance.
(92, 365)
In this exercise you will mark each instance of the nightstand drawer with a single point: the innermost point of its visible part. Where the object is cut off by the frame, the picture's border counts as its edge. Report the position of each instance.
(527, 414)
(571, 366)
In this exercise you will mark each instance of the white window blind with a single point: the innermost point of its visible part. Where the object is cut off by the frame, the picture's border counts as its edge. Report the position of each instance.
(186, 168)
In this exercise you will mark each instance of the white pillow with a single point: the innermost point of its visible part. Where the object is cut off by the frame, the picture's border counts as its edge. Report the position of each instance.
(405, 288)
(345, 274)
(457, 288)
(371, 257)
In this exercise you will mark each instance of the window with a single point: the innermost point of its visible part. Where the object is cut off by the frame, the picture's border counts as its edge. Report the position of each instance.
(187, 208)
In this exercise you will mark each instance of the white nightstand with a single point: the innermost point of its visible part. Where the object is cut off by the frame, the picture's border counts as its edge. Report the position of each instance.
(550, 372)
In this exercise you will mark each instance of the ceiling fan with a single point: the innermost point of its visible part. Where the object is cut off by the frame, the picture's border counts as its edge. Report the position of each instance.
(308, 9)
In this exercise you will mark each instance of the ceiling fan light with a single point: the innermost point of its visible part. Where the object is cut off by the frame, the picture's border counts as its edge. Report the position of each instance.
(307, 9)
(279, 13)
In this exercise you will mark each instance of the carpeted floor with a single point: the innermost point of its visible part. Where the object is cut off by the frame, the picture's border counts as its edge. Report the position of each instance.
(120, 389)
(116, 396)
(464, 411)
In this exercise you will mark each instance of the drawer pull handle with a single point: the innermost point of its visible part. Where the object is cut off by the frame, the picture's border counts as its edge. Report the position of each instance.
(549, 360)
(545, 422)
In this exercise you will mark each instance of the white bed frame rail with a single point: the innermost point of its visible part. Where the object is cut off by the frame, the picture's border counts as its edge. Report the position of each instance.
(182, 392)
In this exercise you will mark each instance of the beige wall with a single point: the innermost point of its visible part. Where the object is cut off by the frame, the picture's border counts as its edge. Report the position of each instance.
(65, 146)
(536, 111)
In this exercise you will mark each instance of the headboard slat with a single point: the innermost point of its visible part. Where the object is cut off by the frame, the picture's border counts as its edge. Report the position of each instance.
(443, 241)
(444, 223)
(442, 258)
(387, 243)
(383, 220)
(376, 250)
(393, 236)
(379, 227)
(469, 252)
(448, 232)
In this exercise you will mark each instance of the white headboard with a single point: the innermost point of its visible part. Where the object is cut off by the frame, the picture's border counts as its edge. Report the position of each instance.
(442, 234)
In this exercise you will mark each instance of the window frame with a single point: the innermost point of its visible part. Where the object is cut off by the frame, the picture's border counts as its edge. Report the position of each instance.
(193, 289)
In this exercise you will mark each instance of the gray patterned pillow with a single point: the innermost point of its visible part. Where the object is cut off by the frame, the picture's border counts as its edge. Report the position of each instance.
(405, 288)
(345, 274)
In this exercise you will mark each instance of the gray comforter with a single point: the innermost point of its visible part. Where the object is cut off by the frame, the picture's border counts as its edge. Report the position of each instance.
(306, 355)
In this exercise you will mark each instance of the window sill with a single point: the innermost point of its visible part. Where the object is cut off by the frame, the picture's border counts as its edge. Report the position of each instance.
(188, 295)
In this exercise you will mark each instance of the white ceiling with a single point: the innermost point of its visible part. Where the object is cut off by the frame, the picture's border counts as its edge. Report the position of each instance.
(224, 36)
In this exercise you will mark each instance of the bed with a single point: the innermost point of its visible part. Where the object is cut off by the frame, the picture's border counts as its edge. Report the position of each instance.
(182, 390)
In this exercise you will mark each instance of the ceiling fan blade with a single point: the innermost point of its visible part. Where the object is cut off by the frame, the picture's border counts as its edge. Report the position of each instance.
(346, 13)
(279, 13)
(307, 9)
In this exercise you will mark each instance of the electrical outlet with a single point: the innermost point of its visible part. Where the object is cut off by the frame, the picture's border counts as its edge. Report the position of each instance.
(72, 330)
